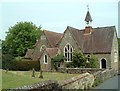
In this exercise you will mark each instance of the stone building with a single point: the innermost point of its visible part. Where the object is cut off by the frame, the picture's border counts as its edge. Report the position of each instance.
(100, 41)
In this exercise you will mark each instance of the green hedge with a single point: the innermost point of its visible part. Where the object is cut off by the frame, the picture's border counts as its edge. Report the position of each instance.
(26, 65)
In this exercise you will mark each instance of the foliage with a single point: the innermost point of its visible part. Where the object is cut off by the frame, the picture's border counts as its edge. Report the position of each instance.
(78, 60)
(18, 58)
(57, 60)
(20, 37)
(93, 63)
(26, 65)
(97, 82)
(8, 61)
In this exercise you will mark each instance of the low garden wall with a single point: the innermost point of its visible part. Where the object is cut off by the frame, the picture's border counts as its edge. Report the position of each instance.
(50, 84)
(79, 70)
(83, 81)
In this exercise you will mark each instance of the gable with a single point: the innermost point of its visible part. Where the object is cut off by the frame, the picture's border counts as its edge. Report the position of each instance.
(68, 39)
(52, 37)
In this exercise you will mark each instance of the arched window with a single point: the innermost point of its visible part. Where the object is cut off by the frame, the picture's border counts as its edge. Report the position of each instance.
(68, 50)
(45, 59)
(42, 47)
(88, 58)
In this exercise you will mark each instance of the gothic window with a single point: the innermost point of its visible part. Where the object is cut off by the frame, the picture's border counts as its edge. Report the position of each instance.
(88, 58)
(45, 59)
(42, 47)
(68, 50)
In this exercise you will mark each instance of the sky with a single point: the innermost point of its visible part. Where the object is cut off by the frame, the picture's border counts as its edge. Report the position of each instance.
(56, 15)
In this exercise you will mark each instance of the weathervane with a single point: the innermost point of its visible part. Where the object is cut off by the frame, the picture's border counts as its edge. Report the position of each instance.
(88, 7)
(88, 18)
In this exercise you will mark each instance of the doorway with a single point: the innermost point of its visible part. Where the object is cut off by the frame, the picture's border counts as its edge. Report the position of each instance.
(103, 64)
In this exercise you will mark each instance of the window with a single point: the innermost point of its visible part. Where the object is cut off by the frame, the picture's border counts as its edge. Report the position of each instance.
(88, 58)
(45, 59)
(115, 56)
(42, 47)
(68, 50)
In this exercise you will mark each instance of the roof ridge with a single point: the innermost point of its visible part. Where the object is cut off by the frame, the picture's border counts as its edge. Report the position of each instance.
(52, 31)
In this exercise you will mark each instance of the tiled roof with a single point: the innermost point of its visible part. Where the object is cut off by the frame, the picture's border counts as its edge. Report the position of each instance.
(52, 37)
(52, 51)
(29, 53)
(99, 41)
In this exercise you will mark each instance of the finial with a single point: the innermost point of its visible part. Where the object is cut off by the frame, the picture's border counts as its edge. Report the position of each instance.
(88, 7)
(88, 18)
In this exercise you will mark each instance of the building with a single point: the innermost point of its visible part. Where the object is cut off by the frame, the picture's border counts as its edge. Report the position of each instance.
(101, 41)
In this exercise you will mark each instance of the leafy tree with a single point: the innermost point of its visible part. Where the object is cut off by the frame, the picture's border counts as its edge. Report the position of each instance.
(20, 37)
(93, 62)
(78, 60)
(57, 60)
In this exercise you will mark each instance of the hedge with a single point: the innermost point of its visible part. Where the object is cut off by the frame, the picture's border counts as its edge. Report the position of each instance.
(26, 65)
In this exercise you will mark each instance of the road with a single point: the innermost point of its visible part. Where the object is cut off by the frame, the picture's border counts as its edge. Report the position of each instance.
(111, 83)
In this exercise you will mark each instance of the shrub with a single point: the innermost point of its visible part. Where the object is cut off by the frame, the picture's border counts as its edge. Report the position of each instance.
(93, 63)
(26, 65)
(57, 60)
(8, 62)
(78, 60)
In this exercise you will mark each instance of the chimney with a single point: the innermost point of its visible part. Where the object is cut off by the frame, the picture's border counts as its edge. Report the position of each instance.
(88, 30)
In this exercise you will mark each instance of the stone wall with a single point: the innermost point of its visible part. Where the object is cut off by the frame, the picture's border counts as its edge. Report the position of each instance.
(50, 84)
(106, 74)
(83, 81)
(79, 70)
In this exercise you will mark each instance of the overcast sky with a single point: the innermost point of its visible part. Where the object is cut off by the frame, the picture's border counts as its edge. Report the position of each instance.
(56, 15)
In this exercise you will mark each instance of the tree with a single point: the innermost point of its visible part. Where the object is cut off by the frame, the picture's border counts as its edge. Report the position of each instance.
(20, 37)
(78, 60)
(57, 60)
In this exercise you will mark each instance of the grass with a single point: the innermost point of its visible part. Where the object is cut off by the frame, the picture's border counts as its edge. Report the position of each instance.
(13, 79)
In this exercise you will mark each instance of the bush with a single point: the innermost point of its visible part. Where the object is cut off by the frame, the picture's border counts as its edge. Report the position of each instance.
(57, 60)
(78, 60)
(8, 62)
(26, 65)
(93, 63)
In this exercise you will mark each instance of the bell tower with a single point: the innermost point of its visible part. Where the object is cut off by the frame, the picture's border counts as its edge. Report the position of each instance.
(88, 20)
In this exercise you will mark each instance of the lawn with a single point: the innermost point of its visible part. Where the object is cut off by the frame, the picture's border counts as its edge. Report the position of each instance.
(13, 79)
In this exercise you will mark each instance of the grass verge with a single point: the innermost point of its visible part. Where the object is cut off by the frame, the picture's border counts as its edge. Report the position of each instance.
(13, 79)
